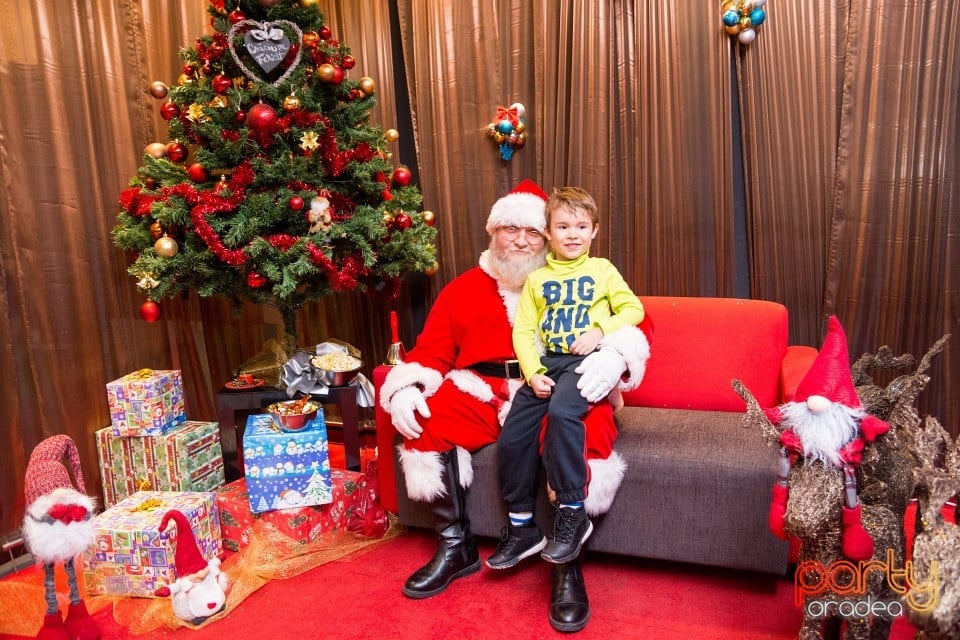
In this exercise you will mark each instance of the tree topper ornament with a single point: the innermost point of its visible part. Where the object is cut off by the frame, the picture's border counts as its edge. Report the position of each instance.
(508, 129)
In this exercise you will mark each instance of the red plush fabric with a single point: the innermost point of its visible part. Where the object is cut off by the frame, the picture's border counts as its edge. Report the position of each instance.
(702, 344)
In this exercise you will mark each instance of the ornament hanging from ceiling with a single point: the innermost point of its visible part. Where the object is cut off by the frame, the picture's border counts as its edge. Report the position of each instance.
(508, 129)
(741, 18)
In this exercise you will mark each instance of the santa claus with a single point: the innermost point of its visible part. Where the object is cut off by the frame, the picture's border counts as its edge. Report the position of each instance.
(449, 396)
(56, 528)
(200, 589)
(826, 422)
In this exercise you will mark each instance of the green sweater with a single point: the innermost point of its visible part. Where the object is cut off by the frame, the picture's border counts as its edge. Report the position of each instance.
(564, 299)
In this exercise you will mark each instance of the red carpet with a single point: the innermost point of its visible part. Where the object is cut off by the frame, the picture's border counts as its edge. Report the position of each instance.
(360, 598)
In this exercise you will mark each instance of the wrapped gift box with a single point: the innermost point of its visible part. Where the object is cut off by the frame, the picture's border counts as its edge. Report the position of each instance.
(285, 469)
(303, 524)
(188, 458)
(131, 557)
(146, 402)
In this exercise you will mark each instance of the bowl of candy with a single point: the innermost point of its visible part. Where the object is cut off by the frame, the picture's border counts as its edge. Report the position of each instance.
(336, 369)
(293, 415)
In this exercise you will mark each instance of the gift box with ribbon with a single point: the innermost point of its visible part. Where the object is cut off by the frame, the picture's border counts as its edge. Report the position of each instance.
(301, 375)
(146, 402)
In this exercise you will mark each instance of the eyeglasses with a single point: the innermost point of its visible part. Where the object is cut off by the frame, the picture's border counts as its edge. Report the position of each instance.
(512, 232)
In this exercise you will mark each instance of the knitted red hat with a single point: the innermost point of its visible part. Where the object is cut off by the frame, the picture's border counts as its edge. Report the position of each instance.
(189, 560)
(46, 471)
(829, 376)
(522, 207)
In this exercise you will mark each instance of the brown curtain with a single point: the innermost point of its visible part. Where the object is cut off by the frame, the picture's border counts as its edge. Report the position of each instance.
(849, 147)
(852, 132)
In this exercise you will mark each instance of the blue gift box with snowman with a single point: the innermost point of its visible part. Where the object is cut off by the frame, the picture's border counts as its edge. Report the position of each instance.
(286, 469)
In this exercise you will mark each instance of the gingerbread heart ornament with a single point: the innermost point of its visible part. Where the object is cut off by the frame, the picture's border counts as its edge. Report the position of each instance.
(267, 44)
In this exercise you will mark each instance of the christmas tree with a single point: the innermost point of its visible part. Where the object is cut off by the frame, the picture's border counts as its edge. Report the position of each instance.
(273, 186)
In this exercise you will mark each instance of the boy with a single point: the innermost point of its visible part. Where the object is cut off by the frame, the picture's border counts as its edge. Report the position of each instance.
(565, 309)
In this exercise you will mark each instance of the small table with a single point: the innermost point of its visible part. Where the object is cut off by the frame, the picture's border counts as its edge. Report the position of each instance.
(229, 402)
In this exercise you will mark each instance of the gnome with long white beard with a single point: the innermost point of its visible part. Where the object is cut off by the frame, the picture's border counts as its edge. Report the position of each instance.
(826, 422)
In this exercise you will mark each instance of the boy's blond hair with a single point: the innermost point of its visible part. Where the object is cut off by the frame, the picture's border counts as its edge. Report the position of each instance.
(573, 198)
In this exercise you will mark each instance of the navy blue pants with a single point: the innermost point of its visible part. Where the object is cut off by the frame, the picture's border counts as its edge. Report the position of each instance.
(564, 446)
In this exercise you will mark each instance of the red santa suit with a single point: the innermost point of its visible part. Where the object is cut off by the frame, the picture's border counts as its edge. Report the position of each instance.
(471, 322)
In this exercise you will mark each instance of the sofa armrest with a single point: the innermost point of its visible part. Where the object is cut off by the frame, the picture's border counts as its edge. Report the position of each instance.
(386, 434)
(796, 362)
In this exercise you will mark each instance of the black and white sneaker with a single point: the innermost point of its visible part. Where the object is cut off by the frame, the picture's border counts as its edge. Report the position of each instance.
(516, 543)
(570, 530)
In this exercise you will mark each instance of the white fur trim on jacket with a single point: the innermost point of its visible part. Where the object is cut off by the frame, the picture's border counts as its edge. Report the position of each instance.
(606, 474)
(631, 343)
(58, 541)
(407, 374)
(423, 472)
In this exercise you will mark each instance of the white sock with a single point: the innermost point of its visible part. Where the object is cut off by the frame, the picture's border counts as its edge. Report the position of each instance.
(520, 519)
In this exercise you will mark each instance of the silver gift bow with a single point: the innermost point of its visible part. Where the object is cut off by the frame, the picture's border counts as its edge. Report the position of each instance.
(267, 34)
(300, 375)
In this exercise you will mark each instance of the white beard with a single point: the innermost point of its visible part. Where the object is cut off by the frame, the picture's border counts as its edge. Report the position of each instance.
(511, 273)
(822, 434)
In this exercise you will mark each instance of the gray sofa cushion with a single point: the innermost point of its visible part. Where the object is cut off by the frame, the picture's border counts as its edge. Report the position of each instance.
(697, 489)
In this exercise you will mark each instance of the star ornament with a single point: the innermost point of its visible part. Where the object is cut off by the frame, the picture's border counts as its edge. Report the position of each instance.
(195, 113)
(309, 141)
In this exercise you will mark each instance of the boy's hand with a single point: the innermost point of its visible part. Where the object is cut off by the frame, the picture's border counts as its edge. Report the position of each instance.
(587, 342)
(542, 385)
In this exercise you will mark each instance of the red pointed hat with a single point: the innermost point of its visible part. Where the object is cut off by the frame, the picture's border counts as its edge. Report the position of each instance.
(829, 376)
(522, 207)
(188, 558)
(46, 470)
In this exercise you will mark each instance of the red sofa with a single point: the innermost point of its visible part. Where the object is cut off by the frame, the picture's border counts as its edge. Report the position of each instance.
(697, 485)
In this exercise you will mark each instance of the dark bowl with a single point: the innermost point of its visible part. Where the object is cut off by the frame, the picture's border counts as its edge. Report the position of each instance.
(292, 421)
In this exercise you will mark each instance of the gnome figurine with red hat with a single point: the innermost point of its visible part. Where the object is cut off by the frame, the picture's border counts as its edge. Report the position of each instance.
(826, 422)
(56, 528)
(200, 590)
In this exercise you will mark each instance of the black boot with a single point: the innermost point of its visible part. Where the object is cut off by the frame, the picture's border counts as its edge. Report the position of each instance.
(569, 607)
(456, 554)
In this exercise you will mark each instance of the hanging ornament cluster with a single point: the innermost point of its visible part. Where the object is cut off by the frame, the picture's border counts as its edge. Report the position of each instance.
(743, 17)
(508, 129)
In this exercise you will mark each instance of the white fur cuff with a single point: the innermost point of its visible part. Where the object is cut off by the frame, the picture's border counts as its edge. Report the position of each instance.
(407, 374)
(631, 343)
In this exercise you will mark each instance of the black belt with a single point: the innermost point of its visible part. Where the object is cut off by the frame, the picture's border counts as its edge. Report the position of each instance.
(508, 369)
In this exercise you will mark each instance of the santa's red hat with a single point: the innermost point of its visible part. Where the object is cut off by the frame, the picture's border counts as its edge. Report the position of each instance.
(522, 207)
(46, 470)
(829, 375)
(188, 560)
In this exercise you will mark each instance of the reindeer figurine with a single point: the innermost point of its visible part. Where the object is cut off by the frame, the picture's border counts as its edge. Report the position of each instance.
(823, 435)
(935, 609)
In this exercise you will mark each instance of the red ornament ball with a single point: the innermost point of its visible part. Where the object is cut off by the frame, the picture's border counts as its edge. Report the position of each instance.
(401, 176)
(176, 152)
(198, 173)
(169, 111)
(236, 16)
(402, 221)
(348, 62)
(255, 280)
(150, 311)
(324, 32)
(262, 118)
(337, 75)
(296, 203)
(221, 83)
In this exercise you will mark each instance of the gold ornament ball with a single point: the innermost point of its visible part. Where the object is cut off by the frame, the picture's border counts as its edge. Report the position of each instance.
(392, 135)
(158, 90)
(166, 247)
(429, 218)
(367, 85)
(326, 72)
(156, 149)
(291, 103)
(309, 3)
(156, 230)
(521, 127)
(432, 269)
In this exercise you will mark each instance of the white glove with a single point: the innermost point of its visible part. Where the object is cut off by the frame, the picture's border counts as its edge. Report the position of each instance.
(599, 374)
(404, 405)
